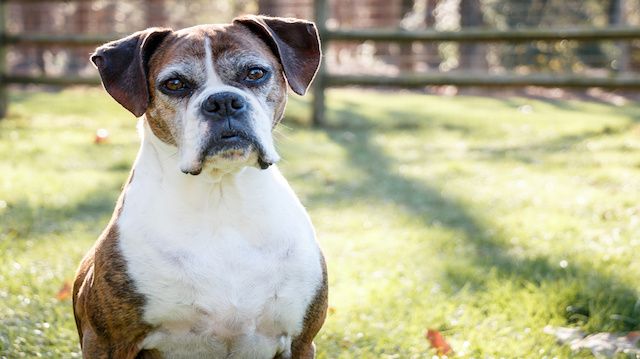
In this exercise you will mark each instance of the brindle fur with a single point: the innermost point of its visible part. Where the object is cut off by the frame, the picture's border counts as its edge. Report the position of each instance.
(107, 308)
(302, 346)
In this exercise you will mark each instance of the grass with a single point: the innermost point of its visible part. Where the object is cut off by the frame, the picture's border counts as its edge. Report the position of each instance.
(461, 214)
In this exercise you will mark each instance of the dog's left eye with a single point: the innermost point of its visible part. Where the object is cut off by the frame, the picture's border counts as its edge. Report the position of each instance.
(255, 74)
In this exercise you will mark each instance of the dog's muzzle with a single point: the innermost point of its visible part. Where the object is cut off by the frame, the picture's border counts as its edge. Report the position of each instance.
(228, 114)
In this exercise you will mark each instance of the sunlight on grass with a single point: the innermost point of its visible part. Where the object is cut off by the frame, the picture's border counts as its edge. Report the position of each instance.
(461, 214)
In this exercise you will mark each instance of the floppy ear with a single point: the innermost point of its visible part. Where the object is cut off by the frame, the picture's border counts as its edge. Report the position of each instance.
(295, 42)
(123, 67)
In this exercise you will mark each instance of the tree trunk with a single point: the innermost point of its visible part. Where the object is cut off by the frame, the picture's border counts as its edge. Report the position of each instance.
(431, 48)
(268, 7)
(35, 18)
(472, 56)
(155, 14)
(79, 57)
(616, 18)
(383, 14)
(406, 60)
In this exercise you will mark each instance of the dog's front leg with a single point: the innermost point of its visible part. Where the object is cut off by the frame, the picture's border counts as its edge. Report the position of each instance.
(94, 348)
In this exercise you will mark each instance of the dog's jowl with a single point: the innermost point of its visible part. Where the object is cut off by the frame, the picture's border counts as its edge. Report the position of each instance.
(209, 253)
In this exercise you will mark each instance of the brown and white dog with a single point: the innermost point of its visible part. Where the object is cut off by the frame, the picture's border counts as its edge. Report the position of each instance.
(209, 253)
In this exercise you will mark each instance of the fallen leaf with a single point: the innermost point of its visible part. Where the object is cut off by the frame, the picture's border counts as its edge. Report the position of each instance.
(65, 291)
(634, 337)
(102, 135)
(438, 342)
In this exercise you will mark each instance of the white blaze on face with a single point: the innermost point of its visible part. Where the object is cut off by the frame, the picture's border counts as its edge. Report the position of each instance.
(195, 129)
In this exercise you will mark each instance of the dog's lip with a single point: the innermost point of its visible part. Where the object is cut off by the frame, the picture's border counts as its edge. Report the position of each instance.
(234, 133)
(228, 141)
(229, 134)
(231, 139)
(193, 172)
(264, 163)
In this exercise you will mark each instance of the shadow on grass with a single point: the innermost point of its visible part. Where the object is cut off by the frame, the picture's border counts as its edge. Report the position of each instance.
(24, 221)
(528, 153)
(532, 152)
(525, 153)
(489, 251)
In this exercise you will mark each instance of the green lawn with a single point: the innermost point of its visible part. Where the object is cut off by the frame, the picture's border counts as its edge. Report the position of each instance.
(461, 214)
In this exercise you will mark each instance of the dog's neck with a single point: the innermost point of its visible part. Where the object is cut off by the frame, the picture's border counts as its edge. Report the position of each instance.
(162, 200)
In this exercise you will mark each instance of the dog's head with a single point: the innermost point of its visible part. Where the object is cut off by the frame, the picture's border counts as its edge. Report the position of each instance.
(213, 91)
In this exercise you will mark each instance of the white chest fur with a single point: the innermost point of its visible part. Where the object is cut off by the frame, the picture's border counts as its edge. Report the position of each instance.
(228, 265)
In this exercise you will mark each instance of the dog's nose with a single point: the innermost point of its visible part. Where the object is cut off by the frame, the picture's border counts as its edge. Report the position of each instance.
(223, 104)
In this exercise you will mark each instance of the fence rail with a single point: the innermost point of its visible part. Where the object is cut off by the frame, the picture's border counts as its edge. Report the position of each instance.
(391, 35)
(53, 81)
(57, 40)
(325, 79)
(485, 35)
(483, 80)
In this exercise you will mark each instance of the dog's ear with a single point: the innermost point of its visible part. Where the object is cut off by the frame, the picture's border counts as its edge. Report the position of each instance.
(123, 67)
(296, 44)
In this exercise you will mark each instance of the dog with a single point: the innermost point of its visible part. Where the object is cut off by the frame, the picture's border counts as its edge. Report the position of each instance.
(209, 253)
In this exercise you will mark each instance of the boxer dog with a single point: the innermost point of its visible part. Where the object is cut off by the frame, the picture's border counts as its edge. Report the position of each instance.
(209, 253)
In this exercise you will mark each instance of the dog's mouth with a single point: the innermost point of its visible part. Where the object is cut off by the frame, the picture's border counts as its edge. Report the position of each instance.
(232, 145)
(233, 141)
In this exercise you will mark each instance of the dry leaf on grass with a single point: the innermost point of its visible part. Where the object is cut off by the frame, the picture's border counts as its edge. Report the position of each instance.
(102, 136)
(437, 341)
(64, 292)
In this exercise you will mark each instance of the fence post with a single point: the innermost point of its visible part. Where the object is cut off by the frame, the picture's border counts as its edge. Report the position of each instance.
(320, 9)
(4, 101)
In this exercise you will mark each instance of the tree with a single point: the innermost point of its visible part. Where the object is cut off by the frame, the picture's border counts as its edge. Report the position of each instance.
(79, 23)
(615, 15)
(35, 18)
(473, 56)
(155, 14)
(406, 60)
(431, 49)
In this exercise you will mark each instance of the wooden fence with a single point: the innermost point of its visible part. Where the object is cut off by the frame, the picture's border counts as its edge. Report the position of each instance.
(325, 79)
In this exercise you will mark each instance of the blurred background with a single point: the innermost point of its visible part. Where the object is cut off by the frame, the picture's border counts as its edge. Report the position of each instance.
(105, 17)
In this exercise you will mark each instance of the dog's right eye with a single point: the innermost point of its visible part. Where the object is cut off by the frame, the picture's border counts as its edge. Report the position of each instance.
(174, 85)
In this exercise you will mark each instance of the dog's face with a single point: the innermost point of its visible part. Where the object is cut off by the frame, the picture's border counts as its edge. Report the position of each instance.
(213, 91)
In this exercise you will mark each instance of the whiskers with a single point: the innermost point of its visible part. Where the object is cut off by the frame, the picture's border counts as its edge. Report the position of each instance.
(279, 134)
(172, 155)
